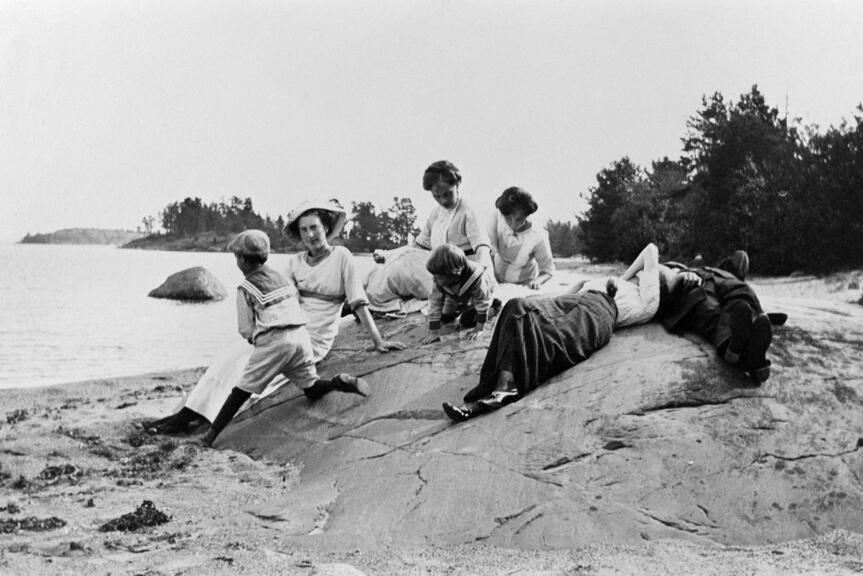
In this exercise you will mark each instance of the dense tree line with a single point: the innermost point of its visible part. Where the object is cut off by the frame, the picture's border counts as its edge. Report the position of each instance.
(192, 217)
(368, 227)
(748, 178)
(564, 238)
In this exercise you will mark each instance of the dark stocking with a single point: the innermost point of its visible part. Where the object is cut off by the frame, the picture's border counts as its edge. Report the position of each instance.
(339, 383)
(317, 390)
(231, 406)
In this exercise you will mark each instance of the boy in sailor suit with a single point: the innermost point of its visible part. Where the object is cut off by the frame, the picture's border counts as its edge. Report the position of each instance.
(460, 287)
(270, 318)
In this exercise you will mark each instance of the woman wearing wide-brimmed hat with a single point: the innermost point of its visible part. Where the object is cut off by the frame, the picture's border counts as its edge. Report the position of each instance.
(326, 277)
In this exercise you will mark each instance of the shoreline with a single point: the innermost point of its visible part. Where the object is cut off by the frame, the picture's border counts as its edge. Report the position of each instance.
(73, 452)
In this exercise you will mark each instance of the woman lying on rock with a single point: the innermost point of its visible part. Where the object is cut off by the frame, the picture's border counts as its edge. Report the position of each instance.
(538, 337)
(325, 277)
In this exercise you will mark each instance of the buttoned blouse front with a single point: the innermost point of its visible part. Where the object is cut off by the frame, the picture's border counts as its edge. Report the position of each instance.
(519, 257)
(457, 225)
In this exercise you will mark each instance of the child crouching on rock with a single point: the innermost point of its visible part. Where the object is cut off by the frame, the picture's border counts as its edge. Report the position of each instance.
(460, 287)
(270, 318)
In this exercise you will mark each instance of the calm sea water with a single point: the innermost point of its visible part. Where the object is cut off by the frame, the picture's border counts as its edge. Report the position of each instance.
(70, 313)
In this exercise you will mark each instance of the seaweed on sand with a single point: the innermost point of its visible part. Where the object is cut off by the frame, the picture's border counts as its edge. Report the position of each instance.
(146, 515)
(154, 462)
(15, 416)
(53, 473)
(30, 523)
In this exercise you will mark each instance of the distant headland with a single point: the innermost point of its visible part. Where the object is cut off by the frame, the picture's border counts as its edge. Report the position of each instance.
(83, 236)
(201, 242)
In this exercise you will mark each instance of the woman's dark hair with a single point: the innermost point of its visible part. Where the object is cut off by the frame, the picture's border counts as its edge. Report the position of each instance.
(515, 198)
(326, 219)
(446, 259)
(441, 171)
(256, 259)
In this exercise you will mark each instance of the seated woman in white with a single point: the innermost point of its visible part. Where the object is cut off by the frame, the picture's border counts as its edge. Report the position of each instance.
(326, 278)
(521, 251)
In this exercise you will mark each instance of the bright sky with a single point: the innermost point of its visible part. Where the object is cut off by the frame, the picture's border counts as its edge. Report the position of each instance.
(111, 109)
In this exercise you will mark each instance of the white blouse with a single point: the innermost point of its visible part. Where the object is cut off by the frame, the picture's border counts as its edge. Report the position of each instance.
(637, 303)
(323, 289)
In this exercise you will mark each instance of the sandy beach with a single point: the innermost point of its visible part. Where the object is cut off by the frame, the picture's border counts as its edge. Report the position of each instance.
(74, 461)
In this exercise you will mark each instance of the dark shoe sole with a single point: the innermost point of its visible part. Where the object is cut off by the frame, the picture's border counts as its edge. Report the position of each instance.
(756, 354)
(353, 385)
(777, 318)
(740, 323)
(457, 413)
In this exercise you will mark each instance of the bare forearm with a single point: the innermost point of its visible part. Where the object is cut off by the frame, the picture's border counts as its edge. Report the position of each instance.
(647, 259)
(368, 323)
(576, 288)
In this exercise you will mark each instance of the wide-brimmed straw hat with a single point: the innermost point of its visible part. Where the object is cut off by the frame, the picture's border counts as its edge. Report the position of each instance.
(337, 212)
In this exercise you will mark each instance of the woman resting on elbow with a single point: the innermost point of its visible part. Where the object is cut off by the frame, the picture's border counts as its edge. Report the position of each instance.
(539, 337)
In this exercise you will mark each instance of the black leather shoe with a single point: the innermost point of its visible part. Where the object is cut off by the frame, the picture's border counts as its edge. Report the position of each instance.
(458, 413)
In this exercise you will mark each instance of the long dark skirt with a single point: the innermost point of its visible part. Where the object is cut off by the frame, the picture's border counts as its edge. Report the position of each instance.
(539, 337)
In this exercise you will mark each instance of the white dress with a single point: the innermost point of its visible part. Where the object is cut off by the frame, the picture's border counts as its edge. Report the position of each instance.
(324, 288)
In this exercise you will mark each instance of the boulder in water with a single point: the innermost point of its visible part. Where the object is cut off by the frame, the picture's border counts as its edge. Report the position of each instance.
(195, 284)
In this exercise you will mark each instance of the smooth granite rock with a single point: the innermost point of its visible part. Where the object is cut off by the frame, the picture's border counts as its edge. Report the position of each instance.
(195, 284)
(652, 437)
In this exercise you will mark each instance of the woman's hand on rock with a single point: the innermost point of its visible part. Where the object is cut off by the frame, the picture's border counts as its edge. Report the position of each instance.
(471, 334)
(387, 345)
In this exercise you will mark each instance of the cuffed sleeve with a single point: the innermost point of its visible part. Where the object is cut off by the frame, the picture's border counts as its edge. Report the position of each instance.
(493, 237)
(245, 315)
(355, 295)
(544, 257)
(424, 238)
(436, 300)
(481, 297)
(474, 233)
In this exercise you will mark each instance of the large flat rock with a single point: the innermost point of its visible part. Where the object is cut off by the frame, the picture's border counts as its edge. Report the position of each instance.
(652, 437)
